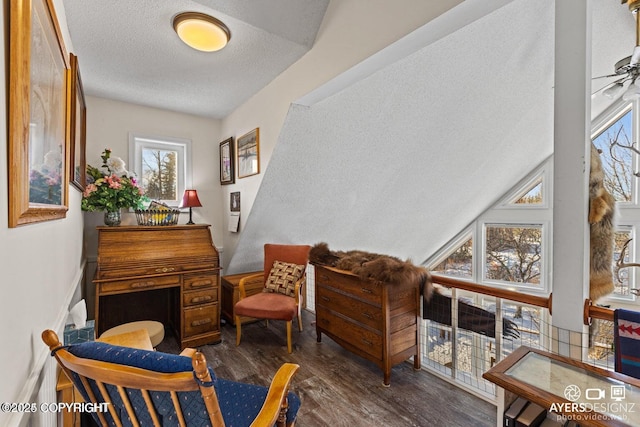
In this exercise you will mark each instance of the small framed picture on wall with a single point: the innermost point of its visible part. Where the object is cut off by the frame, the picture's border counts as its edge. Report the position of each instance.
(227, 173)
(249, 153)
(235, 201)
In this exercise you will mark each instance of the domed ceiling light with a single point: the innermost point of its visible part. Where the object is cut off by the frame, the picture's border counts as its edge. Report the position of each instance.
(201, 32)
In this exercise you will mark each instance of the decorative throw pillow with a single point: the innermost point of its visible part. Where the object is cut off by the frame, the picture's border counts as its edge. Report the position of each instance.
(283, 277)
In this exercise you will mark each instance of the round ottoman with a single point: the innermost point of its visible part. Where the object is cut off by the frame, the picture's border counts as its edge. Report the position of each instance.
(155, 330)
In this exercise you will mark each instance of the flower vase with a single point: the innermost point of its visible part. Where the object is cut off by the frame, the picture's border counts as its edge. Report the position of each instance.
(112, 218)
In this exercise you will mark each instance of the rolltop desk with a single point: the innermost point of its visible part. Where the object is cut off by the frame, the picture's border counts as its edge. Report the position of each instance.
(165, 273)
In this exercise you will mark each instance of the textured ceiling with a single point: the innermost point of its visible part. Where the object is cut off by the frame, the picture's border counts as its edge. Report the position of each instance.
(128, 51)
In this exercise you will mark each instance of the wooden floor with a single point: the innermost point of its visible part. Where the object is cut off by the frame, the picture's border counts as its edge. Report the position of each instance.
(338, 388)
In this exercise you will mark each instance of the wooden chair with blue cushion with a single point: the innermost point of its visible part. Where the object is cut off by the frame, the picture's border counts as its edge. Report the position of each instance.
(151, 388)
(281, 298)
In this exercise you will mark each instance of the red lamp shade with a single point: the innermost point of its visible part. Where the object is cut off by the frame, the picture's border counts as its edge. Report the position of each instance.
(190, 200)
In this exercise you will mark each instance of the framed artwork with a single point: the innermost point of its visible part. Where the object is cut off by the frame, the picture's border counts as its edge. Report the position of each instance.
(235, 201)
(249, 153)
(227, 173)
(78, 127)
(39, 133)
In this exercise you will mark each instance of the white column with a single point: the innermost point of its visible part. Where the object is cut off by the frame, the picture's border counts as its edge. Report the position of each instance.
(572, 116)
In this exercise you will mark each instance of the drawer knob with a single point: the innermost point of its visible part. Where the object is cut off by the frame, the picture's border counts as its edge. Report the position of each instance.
(165, 269)
(367, 315)
(367, 290)
(367, 342)
(325, 298)
(324, 277)
(201, 283)
(202, 298)
(143, 284)
(201, 322)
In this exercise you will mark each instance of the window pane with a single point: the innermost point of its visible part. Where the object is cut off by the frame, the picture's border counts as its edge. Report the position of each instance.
(533, 196)
(459, 263)
(513, 254)
(159, 174)
(615, 144)
(621, 280)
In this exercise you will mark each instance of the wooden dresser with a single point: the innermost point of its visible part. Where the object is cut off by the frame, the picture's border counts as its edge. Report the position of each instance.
(165, 273)
(374, 320)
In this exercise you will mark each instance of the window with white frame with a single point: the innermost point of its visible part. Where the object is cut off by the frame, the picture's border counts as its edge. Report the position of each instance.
(613, 134)
(162, 165)
(506, 246)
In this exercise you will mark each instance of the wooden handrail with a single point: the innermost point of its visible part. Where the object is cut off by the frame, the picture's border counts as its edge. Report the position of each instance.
(535, 300)
(590, 311)
(595, 312)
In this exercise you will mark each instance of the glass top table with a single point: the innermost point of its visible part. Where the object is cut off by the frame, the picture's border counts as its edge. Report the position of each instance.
(587, 394)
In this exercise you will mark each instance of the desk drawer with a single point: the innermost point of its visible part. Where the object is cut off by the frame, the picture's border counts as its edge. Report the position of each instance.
(200, 319)
(205, 296)
(140, 284)
(199, 281)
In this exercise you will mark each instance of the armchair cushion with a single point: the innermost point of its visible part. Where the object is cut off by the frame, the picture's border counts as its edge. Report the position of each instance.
(283, 277)
(267, 305)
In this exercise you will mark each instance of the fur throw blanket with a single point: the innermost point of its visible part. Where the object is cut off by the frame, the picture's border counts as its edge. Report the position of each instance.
(371, 266)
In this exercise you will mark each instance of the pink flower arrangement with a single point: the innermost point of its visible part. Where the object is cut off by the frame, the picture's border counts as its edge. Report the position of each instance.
(113, 189)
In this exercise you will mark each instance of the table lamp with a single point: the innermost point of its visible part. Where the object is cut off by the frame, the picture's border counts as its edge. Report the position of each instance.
(190, 200)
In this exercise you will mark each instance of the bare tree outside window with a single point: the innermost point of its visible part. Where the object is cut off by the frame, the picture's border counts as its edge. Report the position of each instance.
(459, 263)
(533, 196)
(616, 153)
(513, 254)
(159, 174)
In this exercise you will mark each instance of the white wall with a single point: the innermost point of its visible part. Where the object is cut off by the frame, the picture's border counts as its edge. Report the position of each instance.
(351, 31)
(369, 161)
(41, 267)
(367, 167)
(108, 125)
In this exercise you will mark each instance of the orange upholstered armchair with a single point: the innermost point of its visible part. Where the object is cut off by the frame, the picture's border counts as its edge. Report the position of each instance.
(280, 299)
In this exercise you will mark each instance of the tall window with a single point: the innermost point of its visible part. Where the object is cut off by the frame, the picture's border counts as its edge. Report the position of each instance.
(613, 136)
(162, 166)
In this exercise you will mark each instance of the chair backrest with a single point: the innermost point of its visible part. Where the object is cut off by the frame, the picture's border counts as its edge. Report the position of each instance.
(297, 254)
(149, 388)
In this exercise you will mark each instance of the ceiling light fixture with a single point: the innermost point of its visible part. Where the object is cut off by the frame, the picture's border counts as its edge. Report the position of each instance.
(201, 32)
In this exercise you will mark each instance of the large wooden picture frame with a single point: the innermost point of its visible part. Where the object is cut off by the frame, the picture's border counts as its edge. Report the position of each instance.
(227, 172)
(78, 127)
(248, 153)
(38, 115)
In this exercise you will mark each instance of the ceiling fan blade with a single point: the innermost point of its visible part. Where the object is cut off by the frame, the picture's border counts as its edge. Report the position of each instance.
(605, 77)
(607, 86)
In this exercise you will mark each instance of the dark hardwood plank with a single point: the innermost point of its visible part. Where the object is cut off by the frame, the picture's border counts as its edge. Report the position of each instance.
(338, 388)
